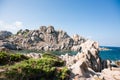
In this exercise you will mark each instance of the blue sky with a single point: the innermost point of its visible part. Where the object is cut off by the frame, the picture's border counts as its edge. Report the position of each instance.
(95, 19)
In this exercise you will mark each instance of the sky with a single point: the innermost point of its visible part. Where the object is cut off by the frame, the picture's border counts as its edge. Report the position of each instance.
(95, 19)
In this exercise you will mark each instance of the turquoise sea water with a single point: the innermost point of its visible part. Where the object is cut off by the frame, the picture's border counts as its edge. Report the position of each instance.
(112, 54)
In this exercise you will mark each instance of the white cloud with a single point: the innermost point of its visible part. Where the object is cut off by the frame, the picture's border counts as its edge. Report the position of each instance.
(13, 27)
(18, 24)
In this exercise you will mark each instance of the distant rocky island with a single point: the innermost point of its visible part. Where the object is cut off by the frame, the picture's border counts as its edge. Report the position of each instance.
(104, 49)
(85, 65)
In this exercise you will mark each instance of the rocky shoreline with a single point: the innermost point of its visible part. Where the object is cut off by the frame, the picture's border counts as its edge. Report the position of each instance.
(85, 65)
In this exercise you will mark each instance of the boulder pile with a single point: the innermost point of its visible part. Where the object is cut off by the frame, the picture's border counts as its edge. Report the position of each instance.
(44, 38)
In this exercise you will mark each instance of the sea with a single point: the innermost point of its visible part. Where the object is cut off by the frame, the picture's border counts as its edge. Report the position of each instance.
(112, 54)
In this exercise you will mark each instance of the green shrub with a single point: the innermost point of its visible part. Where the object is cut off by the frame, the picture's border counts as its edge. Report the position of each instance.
(44, 68)
(8, 58)
(3, 58)
(57, 61)
(29, 69)
(62, 74)
(17, 57)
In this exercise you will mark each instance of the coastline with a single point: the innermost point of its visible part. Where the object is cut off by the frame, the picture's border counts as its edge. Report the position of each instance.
(85, 64)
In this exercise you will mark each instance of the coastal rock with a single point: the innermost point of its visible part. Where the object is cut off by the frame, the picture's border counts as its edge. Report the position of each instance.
(50, 30)
(76, 48)
(33, 55)
(56, 40)
(4, 44)
(4, 34)
(78, 39)
(106, 64)
(117, 63)
(10, 46)
(86, 62)
(109, 74)
(91, 53)
(43, 29)
(80, 68)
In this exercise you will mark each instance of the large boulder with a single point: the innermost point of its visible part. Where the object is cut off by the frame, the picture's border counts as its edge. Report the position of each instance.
(81, 70)
(86, 62)
(43, 29)
(4, 44)
(33, 55)
(50, 29)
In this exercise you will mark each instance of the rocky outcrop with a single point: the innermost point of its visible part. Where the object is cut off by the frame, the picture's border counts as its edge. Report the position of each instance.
(87, 64)
(33, 55)
(4, 34)
(45, 38)
(88, 52)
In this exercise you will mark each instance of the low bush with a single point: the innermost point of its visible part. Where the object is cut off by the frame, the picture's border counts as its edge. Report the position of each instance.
(8, 58)
(3, 58)
(45, 68)
(57, 61)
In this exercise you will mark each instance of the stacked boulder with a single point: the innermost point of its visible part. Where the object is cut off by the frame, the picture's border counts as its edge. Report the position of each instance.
(6, 44)
(47, 39)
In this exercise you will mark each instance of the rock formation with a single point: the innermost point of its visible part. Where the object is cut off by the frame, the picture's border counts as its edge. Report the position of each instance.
(45, 38)
(87, 64)
(5, 43)
(4, 34)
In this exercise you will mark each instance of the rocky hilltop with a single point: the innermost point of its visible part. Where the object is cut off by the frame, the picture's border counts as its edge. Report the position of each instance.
(45, 38)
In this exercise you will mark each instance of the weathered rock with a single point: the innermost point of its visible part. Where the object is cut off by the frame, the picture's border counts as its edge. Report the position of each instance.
(4, 44)
(109, 74)
(4, 34)
(51, 38)
(85, 63)
(50, 30)
(117, 63)
(10, 46)
(56, 40)
(43, 28)
(33, 55)
(76, 48)
(62, 35)
(81, 69)
(106, 64)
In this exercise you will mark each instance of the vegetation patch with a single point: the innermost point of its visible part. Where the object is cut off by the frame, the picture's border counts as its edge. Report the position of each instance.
(49, 67)
(9, 58)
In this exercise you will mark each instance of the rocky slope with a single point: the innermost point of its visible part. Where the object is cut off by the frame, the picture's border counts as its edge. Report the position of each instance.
(45, 38)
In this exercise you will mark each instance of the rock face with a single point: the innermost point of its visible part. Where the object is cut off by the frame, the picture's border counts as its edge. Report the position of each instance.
(87, 65)
(89, 53)
(4, 34)
(45, 38)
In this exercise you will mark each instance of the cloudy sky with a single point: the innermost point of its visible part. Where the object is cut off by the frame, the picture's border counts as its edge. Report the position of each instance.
(95, 19)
